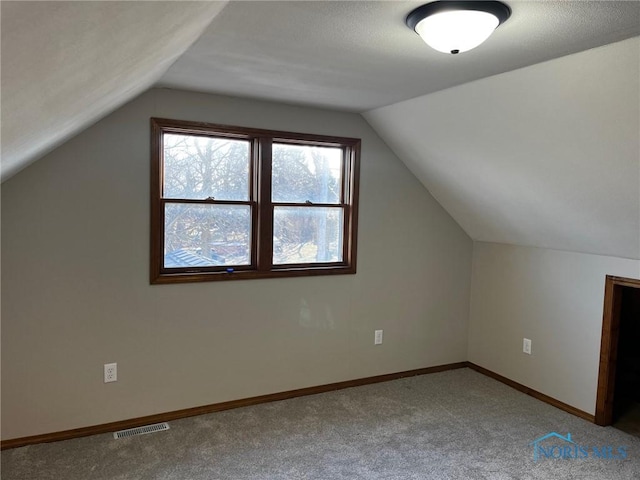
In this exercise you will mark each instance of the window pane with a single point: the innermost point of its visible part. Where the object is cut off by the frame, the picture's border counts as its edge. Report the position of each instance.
(307, 235)
(303, 172)
(201, 167)
(206, 235)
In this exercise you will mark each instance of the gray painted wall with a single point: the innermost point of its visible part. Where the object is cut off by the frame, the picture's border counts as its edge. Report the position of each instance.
(75, 248)
(552, 297)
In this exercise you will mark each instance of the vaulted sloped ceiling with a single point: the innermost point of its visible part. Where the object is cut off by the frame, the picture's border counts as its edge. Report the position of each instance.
(65, 65)
(545, 156)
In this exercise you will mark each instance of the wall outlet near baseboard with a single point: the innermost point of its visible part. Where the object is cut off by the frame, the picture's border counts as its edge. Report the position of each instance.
(377, 337)
(526, 346)
(110, 372)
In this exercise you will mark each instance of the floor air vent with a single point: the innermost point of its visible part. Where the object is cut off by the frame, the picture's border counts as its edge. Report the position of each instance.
(132, 432)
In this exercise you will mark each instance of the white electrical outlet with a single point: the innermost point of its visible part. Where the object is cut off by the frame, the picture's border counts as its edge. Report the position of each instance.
(110, 372)
(378, 337)
(526, 346)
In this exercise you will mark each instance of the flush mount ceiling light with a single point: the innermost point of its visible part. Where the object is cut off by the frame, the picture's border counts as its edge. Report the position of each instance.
(457, 26)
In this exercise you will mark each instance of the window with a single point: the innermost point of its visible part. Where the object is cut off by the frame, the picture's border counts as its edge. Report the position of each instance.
(232, 203)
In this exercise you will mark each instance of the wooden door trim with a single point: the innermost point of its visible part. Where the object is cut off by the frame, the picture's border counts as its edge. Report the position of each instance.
(609, 346)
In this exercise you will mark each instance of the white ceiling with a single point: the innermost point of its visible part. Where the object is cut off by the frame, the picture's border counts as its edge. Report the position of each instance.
(65, 65)
(543, 156)
(356, 56)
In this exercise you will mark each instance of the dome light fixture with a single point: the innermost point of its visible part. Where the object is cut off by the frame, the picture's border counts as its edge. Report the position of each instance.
(457, 26)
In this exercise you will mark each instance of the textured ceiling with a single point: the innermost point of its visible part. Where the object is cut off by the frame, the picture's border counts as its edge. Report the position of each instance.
(360, 55)
(545, 156)
(67, 64)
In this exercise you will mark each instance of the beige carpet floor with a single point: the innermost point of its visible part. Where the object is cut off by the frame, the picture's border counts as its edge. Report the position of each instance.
(451, 425)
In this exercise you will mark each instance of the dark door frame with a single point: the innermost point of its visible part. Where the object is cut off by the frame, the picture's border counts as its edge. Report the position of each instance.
(609, 346)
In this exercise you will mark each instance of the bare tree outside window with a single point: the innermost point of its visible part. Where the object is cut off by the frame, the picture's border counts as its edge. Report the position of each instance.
(310, 177)
(231, 203)
(201, 168)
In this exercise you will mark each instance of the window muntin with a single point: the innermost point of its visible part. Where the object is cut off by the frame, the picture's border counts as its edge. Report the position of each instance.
(232, 203)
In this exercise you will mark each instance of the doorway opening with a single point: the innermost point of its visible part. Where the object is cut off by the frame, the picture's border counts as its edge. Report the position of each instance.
(618, 399)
